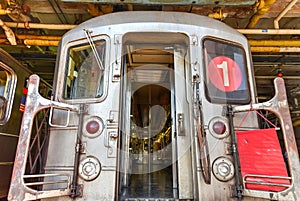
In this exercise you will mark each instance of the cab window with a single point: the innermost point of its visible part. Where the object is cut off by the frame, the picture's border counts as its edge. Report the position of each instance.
(85, 71)
(226, 79)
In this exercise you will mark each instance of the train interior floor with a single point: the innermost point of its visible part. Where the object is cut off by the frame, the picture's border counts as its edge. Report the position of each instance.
(157, 184)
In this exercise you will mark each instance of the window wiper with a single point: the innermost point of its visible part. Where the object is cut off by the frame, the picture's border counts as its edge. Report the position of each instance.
(92, 44)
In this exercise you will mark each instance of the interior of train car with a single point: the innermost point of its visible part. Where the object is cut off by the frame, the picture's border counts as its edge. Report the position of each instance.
(150, 170)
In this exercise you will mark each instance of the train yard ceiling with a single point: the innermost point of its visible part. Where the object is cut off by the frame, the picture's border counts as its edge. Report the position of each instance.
(31, 30)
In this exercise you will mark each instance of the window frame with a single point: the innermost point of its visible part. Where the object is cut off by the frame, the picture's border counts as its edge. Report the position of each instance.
(65, 57)
(226, 99)
(10, 93)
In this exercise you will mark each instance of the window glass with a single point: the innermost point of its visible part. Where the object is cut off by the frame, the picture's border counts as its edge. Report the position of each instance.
(6, 92)
(226, 79)
(85, 71)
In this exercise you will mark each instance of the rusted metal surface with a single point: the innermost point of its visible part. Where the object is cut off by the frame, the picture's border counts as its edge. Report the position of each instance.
(279, 6)
(279, 106)
(9, 33)
(34, 103)
(262, 8)
(41, 42)
(179, 2)
(228, 11)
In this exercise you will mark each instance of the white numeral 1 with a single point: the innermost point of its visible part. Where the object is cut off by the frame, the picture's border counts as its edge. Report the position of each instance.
(224, 67)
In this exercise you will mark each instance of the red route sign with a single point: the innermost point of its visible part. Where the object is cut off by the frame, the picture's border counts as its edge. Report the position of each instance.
(224, 73)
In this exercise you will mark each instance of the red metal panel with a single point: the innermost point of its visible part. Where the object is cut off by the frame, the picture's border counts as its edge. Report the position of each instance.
(260, 154)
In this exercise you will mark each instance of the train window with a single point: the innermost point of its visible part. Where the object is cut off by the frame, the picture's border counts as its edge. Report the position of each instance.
(226, 79)
(7, 89)
(85, 71)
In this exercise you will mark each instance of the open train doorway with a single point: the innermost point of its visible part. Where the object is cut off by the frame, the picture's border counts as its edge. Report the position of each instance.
(154, 156)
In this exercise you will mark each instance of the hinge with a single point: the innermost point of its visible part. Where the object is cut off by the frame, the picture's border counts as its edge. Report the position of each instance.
(116, 67)
(194, 40)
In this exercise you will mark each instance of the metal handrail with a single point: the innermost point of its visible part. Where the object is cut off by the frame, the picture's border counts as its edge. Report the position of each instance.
(67, 181)
(266, 177)
(6, 163)
(57, 125)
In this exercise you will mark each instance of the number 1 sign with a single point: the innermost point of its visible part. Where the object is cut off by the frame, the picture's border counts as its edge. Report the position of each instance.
(224, 73)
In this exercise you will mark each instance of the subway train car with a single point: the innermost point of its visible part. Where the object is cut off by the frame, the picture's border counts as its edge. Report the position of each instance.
(157, 106)
(13, 89)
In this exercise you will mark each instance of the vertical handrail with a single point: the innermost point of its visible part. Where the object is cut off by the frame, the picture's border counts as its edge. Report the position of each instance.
(238, 187)
(34, 103)
(74, 185)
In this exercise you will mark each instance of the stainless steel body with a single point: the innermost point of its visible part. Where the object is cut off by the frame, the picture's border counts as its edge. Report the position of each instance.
(133, 115)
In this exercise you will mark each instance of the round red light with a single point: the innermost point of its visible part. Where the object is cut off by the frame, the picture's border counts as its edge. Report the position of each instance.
(92, 127)
(219, 127)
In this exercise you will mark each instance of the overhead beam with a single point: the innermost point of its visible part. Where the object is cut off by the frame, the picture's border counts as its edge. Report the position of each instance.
(31, 42)
(172, 2)
(269, 31)
(285, 10)
(272, 77)
(40, 26)
(274, 43)
(38, 37)
(275, 49)
(71, 26)
(34, 56)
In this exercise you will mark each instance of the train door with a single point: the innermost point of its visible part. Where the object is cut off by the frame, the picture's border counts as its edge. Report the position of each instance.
(155, 161)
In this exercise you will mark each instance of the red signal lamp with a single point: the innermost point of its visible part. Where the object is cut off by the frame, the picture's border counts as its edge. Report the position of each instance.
(92, 127)
(219, 127)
